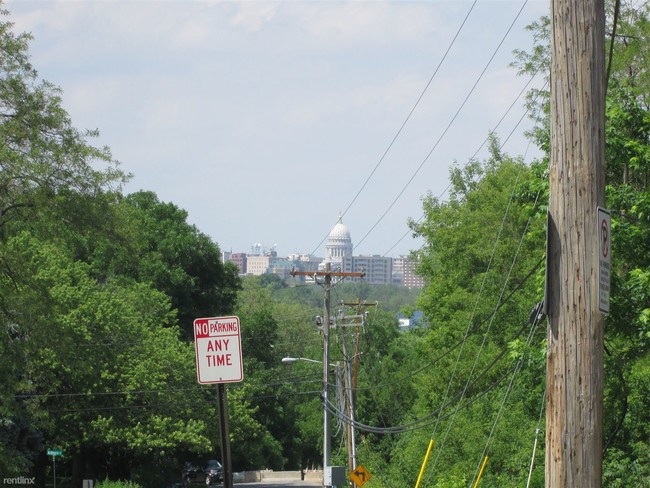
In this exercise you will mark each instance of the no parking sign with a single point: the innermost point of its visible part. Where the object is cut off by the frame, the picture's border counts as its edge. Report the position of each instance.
(217, 341)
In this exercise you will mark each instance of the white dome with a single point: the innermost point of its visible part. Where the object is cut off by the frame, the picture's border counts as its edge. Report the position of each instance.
(339, 232)
(339, 243)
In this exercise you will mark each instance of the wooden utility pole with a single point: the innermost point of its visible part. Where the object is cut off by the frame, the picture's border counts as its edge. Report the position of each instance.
(351, 368)
(574, 404)
(327, 276)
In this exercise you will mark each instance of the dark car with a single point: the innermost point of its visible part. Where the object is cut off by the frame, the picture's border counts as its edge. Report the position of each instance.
(208, 474)
(213, 472)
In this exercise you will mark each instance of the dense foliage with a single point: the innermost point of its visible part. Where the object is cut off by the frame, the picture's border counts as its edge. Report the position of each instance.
(95, 293)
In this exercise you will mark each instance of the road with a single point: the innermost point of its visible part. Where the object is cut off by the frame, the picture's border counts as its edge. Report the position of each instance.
(279, 484)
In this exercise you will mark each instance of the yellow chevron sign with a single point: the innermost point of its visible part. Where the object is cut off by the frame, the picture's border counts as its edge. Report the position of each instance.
(360, 475)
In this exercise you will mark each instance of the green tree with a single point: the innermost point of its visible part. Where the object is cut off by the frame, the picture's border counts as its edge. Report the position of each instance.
(91, 288)
(100, 366)
(42, 154)
(180, 261)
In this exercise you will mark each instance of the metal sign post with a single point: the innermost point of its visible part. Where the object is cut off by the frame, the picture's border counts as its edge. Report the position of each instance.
(217, 342)
(226, 459)
(54, 453)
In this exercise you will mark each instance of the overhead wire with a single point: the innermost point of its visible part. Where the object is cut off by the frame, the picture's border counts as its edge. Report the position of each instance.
(454, 346)
(440, 445)
(416, 425)
(473, 157)
(152, 405)
(539, 421)
(457, 344)
(534, 323)
(451, 122)
(291, 380)
(429, 419)
(408, 117)
(433, 416)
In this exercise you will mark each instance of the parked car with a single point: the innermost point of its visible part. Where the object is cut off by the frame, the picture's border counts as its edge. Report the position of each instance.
(210, 473)
(213, 472)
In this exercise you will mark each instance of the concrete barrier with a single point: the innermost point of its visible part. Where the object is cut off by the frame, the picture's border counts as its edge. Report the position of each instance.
(256, 476)
(280, 475)
(246, 477)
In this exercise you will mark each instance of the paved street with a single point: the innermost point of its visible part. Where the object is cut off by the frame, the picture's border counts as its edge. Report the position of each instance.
(279, 484)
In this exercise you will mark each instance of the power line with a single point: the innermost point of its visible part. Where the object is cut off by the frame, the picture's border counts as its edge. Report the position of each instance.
(408, 117)
(453, 119)
(514, 260)
(429, 418)
(294, 380)
(453, 347)
(536, 320)
(522, 91)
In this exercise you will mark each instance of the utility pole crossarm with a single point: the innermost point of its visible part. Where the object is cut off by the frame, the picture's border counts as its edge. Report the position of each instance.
(336, 274)
(359, 304)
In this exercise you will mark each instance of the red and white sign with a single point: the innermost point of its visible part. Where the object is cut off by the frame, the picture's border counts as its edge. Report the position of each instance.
(218, 350)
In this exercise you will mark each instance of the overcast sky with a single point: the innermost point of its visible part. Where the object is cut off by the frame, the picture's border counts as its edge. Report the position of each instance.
(265, 120)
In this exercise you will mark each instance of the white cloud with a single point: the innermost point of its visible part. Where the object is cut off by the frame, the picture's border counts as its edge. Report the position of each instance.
(377, 23)
(252, 15)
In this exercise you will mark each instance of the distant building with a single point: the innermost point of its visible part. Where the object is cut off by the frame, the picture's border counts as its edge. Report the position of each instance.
(259, 264)
(280, 267)
(378, 270)
(338, 245)
(404, 273)
(304, 262)
(239, 258)
(408, 323)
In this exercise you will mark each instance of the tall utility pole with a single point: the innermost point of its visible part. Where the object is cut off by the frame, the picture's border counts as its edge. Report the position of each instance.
(327, 276)
(327, 415)
(574, 378)
(351, 366)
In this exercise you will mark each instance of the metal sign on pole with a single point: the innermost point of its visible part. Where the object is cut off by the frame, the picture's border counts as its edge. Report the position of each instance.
(604, 231)
(54, 453)
(360, 475)
(217, 342)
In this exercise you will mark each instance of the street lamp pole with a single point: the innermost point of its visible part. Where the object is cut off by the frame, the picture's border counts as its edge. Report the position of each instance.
(327, 449)
(327, 275)
(327, 416)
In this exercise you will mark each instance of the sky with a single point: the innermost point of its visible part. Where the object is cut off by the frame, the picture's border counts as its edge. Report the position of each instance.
(267, 120)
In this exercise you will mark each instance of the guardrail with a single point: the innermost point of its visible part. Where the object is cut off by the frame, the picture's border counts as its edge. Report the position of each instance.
(252, 476)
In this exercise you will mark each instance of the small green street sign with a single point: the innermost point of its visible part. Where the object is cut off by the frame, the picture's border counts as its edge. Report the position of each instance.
(54, 452)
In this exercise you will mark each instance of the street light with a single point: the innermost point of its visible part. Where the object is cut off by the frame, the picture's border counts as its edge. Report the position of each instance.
(295, 360)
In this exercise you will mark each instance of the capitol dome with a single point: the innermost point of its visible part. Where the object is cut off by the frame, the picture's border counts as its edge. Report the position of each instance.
(339, 232)
(339, 242)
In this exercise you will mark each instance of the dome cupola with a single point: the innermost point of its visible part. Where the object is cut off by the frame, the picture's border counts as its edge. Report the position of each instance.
(339, 242)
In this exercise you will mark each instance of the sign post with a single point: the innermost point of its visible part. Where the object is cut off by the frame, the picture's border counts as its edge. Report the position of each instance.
(54, 453)
(218, 350)
(217, 342)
